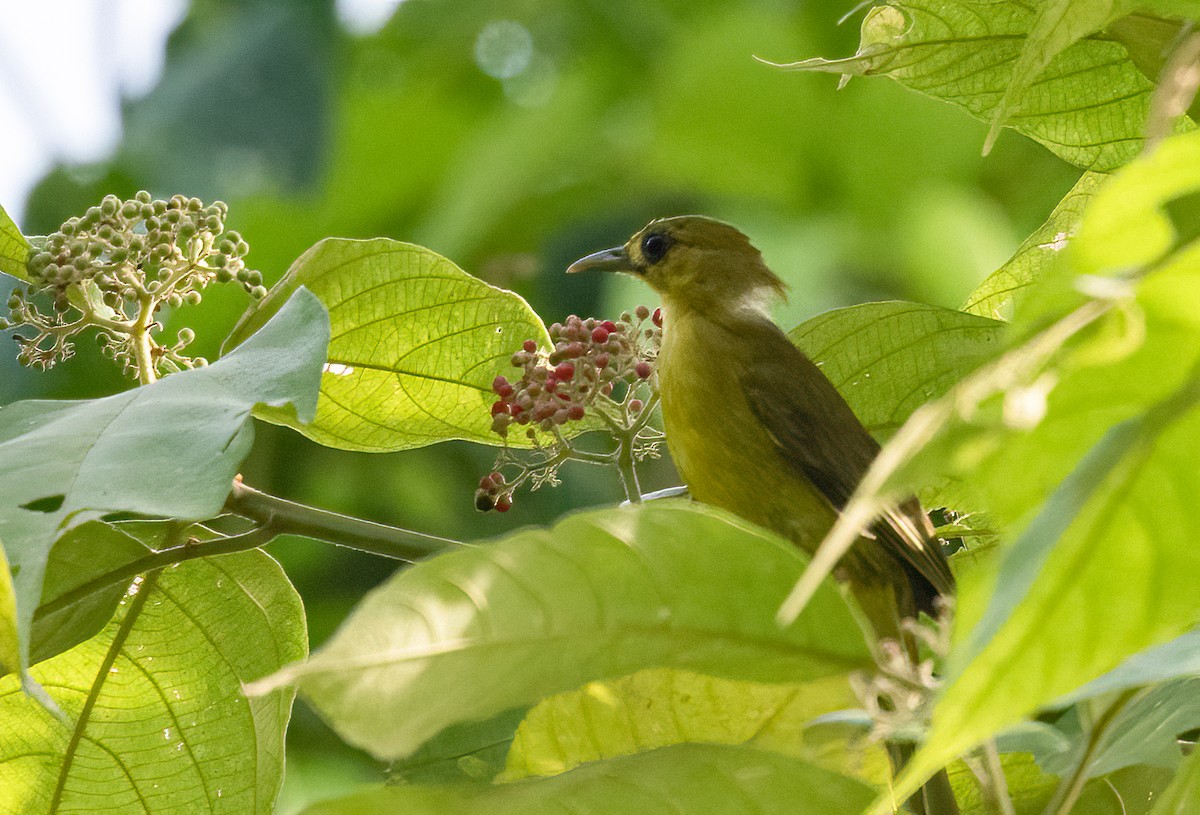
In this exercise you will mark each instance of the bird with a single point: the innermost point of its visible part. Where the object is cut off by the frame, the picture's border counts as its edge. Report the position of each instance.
(754, 427)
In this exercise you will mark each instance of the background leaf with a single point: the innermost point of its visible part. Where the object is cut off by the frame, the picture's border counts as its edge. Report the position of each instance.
(688, 778)
(600, 595)
(157, 721)
(170, 449)
(14, 249)
(415, 344)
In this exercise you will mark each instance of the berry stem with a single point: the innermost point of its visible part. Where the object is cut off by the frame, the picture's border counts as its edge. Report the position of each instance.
(626, 467)
(143, 344)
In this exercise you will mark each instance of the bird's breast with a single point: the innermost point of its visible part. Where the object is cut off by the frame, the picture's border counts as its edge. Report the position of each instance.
(723, 453)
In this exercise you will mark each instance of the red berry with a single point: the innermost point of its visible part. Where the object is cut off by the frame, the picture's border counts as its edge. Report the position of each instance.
(499, 407)
(499, 384)
(635, 405)
(610, 325)
(643, 369)
(530, 346)
(600, 334)
(485, 483)
(497, 479)
(657, 317)
(575, 412)
(503, 503)
(565, 372)
(642, 312)
(601, 360)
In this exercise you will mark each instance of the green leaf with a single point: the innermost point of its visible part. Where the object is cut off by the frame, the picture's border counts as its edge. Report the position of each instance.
(1087, 105)
(169, 449)
(10, 649)
(14, 249)
(687, 778)
(887, 359)
(1098, 474)
(1179, 657)
(415, 344)
(157, 722)
(995, 296)
(472, 751)
(1183, 796)
(659, 707)
(600, 595)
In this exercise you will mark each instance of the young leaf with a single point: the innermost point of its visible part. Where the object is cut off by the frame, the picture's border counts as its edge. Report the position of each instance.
(887, 359)
(169, 449)
(156, 721)
(1087, 106)
(14, 249)
(415, 344)
(472, 633)
(686, 778)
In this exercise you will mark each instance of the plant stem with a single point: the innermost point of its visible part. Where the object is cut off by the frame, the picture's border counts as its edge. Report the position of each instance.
(625, 466)
(997, 785)
(143, 349)
(1069, 790)
(277, 516)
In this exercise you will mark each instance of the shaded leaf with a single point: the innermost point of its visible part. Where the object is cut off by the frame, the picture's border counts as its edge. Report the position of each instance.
(472, 751)
(415, 344)
(157, 720)
(1183, 796)
(687, 778)
(887, 359)
(169, 449)
(602, 594)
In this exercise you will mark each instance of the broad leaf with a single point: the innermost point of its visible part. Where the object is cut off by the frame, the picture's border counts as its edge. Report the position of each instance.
(1177, 658)
(1183, 796)
(887, 359)
(14, 249)
(1101, 483)
(415, 344)
(469, 634)
(169, 449)
(1087, 106)
(687, 778)
(156, 721)
(660, 707)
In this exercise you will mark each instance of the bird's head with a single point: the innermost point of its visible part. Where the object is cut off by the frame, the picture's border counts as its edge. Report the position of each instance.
(693, 262)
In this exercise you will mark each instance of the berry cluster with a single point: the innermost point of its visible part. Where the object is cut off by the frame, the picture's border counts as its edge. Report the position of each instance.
(118, 264)
(602, 370)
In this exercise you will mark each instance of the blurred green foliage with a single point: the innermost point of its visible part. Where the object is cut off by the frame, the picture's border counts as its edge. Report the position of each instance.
(512, 138)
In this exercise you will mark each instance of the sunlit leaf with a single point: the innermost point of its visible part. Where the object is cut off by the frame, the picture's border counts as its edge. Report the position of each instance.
(687, 778)
(995, 296)
(415, 346)
(169, 449)
(600, 595)
(660, 707)
(14, 249)
(157, 722)
(1088, 104)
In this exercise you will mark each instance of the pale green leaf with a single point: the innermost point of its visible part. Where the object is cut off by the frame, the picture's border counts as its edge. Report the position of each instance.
(14, 249)
(157, 722)
(1179, 657)
(659, 707)
(686, 778)
(996, 295)
(10, 649)
(1088, 104)
(887, 359)
(415, 344)
(1107, 536)
(1183, 796)
(600, 595)
(169, 449)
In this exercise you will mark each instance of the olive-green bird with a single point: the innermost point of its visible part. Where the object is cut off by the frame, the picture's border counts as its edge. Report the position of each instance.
(754, 426)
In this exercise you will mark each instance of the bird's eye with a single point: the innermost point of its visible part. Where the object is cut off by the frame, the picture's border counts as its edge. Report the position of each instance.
(654, 246)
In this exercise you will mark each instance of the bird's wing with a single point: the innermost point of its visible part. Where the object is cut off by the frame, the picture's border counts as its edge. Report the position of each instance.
(818, 434)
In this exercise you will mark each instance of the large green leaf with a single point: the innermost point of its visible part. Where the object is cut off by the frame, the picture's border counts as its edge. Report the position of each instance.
(156, 720)
(887, 359)
(659, 707)
(1101, 483)
(472, 633)
(995, 296)
(687, 778)
(1087, 105)
(1179, 657)
(1183, 796)
(14, 249)
(415, 344)
(169, 449)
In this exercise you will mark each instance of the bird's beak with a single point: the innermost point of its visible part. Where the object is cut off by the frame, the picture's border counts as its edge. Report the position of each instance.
(609, 260)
